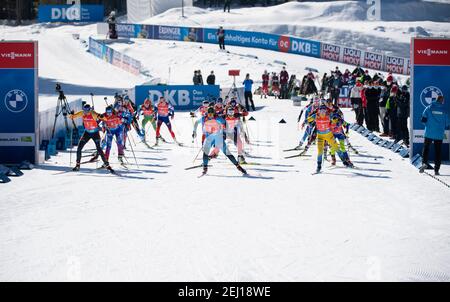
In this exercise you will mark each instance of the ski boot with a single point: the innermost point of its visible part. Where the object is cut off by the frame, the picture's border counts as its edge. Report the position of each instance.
(333, 160)
(436, 172)
(77, 167)
(205, 170)
(348, 164)
(241, 160)
(424, 167)
(319, 168)
(120, 158)
(299, 147)
(239, 167)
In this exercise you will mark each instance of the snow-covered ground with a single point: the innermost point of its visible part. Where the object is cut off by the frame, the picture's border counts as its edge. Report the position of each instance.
(159, 222)
(337, 22)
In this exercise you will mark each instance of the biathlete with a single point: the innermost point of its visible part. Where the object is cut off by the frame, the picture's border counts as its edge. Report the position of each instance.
(92, 130)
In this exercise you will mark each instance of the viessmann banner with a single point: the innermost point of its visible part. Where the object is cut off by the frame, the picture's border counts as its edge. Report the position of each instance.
(430, 79)
(18, 102)
(71, 13)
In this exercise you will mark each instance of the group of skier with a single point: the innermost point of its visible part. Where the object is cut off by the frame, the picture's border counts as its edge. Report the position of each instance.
(118, 119)
(326, 126)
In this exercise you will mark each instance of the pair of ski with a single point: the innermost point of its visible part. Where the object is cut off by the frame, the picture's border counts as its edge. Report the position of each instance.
(303, 153)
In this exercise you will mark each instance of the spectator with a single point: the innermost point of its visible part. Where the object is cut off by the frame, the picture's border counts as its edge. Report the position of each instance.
(211, 79)
(199, 78)
(435, 118)
(403, 115)
(372, 95)
(265, 84)
(391, 110)
(284, 78)
(195, 78)
(384, 97)
(248, 92)
(358, 72)
(355, 99)
(221, 37)
(334, 85)
(275, 85)
(227, 5)
(324, 85)
(112, 25)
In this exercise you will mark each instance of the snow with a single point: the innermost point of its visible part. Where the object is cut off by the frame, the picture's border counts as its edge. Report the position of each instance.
(159, 222)
(337, 22)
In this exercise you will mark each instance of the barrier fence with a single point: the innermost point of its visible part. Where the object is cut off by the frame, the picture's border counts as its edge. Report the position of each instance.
(281, 43)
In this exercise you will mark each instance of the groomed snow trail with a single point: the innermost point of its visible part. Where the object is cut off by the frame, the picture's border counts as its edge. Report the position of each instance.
(382, 221)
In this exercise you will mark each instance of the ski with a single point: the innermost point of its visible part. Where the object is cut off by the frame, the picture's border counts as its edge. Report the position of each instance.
(352, 148)
(196, 166)
(92, 160)
(293, 149)
(298, 155)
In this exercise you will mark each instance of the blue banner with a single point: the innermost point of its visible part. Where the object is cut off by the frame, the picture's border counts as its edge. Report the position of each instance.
(71, 13)
(429, 83)
(17, 116)
(128, 30)
(244, 39)
(304, 47)
(182, 97)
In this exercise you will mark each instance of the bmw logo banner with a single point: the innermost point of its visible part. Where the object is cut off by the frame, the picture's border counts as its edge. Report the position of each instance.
(18, 102)
(430, 79)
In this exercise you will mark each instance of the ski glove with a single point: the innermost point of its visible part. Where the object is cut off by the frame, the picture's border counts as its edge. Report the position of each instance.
(194, 134)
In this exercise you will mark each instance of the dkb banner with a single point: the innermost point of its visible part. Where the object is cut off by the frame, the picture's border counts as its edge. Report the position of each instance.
(71, 13)
(18, 102)
(182, 97)
(430, 79)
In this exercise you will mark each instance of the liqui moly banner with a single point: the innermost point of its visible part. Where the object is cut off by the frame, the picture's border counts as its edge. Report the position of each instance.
(331, 52)
(429, 80)
(395, 65)
(19, 129)
(352, 56)
(373, 60)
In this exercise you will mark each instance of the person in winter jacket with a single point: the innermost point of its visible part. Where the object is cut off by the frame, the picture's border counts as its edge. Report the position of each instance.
(355, 99)
(391, 109)
(335, 84)
(373, 95)
(402, 103)
(211, 79)
(265, 84)
(436, 120)
(221, 37)
(382, 104)
(248, 92)
(284, 78)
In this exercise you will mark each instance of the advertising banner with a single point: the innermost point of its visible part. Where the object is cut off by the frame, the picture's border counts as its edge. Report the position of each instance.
(395, 65)
(431, 71)
(372, 60)
(344, 97)
(331, 52)
(128, 30)
(352, 56)
(162, 32)
(18, 102)
(71, 13)
(304, 47)
(182, 97)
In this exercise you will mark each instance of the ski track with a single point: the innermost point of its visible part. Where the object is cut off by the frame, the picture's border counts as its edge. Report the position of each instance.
(382, 221)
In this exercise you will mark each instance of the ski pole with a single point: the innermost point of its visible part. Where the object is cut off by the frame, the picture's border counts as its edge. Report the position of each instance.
(71, 138)
(92, 100)
(134, 155)
(201, 148)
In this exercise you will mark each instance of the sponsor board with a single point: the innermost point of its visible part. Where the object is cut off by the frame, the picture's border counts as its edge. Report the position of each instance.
(71, 13)
(373, 60)
(352, 56)
(419, 136)
(331, 52)
(305, 47)
(429, 79)
(182, 97)
(344, 99)
(18, 102)
(395, 64)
